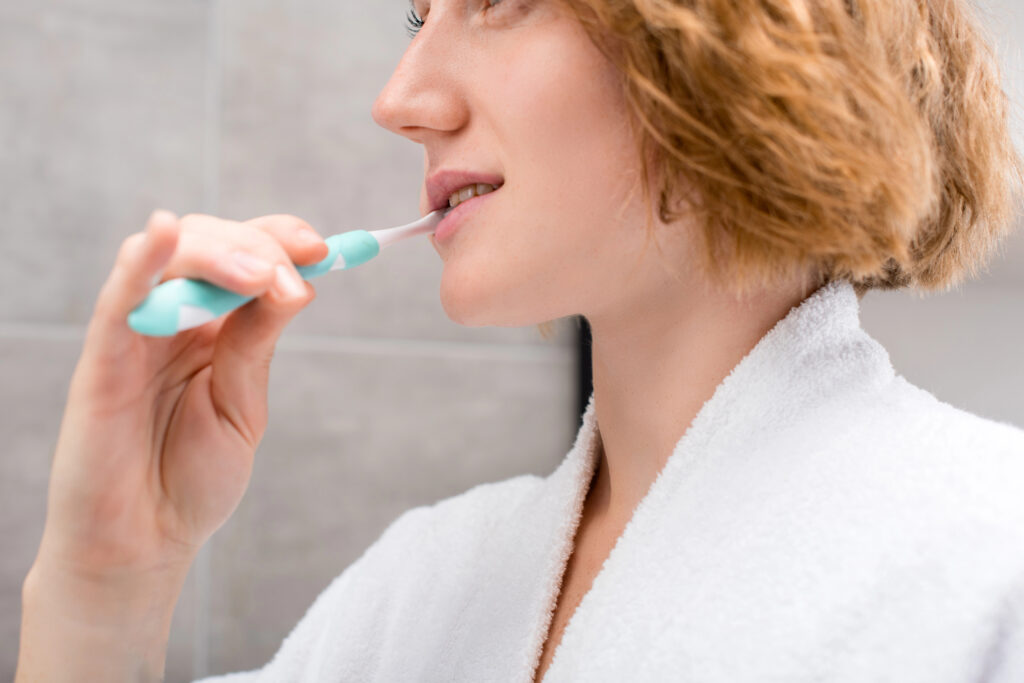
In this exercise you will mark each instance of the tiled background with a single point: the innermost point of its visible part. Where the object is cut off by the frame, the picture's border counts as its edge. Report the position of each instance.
(109, 108)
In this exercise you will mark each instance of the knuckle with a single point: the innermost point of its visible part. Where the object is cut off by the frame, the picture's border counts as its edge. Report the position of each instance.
(203, 224)
(210, 260)
(266, 247)
(285, 223)
(294, 222)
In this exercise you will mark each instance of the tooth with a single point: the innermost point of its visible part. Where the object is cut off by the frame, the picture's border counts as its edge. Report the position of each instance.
(469, 192)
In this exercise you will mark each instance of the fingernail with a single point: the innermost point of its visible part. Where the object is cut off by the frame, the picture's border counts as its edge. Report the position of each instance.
(248, 265)
(288, 284)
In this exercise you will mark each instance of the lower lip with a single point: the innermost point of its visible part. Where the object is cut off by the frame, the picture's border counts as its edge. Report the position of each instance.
(459, 215)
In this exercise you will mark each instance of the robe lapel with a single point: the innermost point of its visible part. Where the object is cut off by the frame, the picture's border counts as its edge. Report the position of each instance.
(817, 356)
(504, 627)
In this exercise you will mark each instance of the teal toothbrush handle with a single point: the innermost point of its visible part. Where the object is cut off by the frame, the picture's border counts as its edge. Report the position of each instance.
(183, 303)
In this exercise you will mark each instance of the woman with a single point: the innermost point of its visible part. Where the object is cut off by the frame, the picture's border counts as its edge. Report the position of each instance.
(819, 519)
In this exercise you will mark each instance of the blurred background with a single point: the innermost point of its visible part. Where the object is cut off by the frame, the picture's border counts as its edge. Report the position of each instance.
(378, 403)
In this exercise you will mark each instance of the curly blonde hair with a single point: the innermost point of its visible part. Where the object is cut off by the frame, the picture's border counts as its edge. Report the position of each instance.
(867, 139)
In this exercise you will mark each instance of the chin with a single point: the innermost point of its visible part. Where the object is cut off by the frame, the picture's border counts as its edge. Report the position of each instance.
(480, 302)
(465, 304)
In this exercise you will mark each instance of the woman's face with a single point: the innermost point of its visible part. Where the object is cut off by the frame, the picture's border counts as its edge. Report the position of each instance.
(516, 89)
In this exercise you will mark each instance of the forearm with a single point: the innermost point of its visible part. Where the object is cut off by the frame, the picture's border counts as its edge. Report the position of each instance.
(74, 629)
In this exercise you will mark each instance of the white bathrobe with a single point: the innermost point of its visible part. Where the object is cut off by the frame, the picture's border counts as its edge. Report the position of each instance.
(822, 519)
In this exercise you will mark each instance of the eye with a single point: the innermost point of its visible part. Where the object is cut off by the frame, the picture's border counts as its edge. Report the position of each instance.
(414, 23)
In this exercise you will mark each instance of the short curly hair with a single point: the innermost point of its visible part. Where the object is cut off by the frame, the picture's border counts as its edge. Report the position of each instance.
(867, 139)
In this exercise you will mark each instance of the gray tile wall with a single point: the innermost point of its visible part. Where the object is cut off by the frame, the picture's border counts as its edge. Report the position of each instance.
(109, 108)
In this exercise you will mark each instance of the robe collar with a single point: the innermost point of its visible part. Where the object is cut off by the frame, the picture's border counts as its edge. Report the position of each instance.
(799, 363)
(814, 356)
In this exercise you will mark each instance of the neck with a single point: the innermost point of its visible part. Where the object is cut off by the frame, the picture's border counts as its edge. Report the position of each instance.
(655, 363)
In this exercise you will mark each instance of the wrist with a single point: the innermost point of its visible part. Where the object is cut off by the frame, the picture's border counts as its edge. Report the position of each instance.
(111, 596)
(104, 629)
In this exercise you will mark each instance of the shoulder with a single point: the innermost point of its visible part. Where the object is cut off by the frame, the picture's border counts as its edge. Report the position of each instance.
(461, 521)
(417, 564)
(949, 432)
(416, 553)
(951, 462)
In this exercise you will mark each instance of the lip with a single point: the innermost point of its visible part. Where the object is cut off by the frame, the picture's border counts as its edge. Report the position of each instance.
(441, 184)
(459, 215)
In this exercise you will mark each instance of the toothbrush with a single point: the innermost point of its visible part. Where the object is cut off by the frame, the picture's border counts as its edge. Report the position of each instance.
(183, 303)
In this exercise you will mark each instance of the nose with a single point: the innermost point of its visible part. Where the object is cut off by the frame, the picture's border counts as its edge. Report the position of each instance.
(423, 94)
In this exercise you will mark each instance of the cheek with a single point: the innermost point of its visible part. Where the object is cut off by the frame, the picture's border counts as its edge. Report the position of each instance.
(562, 126)
(558, 122)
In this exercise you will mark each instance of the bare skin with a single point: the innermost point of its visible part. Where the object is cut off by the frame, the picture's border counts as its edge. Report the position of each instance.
(596, 535)
(517, 89)
(156, 445)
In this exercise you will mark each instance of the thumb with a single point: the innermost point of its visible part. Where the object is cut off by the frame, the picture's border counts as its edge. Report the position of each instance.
(139, 263)
(244, 348)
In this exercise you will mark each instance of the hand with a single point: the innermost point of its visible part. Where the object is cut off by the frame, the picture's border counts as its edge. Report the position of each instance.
(157, 440)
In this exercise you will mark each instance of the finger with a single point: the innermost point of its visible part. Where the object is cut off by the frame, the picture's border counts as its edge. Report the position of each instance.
(300, 241)
(245, 346)
(139, 263)
(224, 254)
(231, 255)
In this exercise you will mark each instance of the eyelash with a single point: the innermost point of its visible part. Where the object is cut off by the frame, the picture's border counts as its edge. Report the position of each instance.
(414, 23)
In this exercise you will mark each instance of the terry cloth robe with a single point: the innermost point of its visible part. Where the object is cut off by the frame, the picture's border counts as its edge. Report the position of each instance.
(821, 519)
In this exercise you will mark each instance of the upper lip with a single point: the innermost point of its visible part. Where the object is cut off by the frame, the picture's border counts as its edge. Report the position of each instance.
(441, 184)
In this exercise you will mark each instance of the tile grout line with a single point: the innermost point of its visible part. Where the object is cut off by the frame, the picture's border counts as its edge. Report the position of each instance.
(419, 347)
(324, 343)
